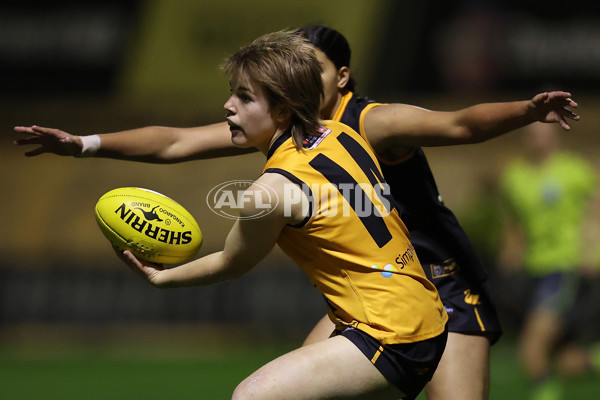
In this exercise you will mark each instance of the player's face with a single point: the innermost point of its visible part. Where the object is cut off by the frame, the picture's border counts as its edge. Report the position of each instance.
(248, 114)
(330, 85)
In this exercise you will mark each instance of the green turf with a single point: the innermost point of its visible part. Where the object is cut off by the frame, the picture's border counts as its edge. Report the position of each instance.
(90, 376)
(169, 372)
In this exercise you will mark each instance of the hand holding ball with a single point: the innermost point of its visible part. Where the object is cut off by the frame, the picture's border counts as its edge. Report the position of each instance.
(152, 226)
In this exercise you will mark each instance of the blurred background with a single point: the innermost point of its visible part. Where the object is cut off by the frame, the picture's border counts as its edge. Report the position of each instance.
(68, 306)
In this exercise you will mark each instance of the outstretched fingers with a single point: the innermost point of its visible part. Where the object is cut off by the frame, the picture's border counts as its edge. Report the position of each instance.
(564, 104)
(50, 140)
(25, 129)
(555, 107)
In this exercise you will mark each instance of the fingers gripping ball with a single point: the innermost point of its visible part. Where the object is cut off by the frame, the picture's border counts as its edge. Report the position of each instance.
(152, 226)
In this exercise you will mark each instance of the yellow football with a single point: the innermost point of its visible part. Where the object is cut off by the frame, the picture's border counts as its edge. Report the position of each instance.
(152, 226)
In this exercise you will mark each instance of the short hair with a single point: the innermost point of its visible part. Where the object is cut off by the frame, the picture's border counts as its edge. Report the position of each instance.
(285, 66)
(333, 44)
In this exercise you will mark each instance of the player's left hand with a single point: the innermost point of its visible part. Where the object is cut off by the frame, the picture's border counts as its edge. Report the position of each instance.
(554, 107)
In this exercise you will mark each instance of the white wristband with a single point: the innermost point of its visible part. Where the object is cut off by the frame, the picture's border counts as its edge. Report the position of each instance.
(89, 145)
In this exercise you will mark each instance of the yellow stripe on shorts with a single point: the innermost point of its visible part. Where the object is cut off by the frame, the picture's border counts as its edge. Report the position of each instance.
(377, 354)
(479, 320)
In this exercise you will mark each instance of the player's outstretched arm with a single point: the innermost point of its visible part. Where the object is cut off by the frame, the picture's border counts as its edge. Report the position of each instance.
(154, 144)
(485, 121)
(401, 125)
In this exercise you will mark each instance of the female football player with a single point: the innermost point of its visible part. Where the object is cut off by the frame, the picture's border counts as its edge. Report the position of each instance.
(389, 321)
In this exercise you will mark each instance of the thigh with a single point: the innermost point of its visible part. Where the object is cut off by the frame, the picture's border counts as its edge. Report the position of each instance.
(464, 370)
(541, 330)
(330, 369)
(323, 330)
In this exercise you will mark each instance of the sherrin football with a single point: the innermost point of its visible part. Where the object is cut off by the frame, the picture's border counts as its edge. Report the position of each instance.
(152, 226)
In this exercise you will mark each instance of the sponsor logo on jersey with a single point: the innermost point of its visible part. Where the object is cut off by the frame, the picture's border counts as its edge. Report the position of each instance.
(387, 271)
(405, 258)
(401, 262)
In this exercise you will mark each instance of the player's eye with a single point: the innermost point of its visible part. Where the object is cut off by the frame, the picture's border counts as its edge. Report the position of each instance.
(245, 98)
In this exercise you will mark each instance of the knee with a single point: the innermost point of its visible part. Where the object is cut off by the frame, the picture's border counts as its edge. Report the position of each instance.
(240, 393)
(246, 390)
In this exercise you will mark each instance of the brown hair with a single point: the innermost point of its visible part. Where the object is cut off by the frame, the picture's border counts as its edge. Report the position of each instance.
(285, 66)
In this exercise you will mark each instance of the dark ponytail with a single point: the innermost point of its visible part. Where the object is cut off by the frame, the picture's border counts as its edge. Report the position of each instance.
(333, 44)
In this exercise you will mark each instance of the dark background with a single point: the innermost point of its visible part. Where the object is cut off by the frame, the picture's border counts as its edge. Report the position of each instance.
(94, 67)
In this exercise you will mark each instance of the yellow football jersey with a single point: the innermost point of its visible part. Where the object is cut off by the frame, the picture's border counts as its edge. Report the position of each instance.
(353, 245)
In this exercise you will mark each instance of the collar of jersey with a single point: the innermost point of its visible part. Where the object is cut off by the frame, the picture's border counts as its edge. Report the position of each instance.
(278, 142)
(337, 116)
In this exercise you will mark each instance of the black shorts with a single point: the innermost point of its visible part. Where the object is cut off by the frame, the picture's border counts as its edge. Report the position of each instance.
(555, 293)
(408, 366)
(566, 295)
(469, 305)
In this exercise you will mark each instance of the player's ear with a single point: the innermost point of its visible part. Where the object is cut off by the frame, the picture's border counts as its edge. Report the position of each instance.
(343, 76)
(282, 114)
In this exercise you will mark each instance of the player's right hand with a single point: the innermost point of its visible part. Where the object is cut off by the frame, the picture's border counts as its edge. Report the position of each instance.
(49, 140)
(148, 271)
